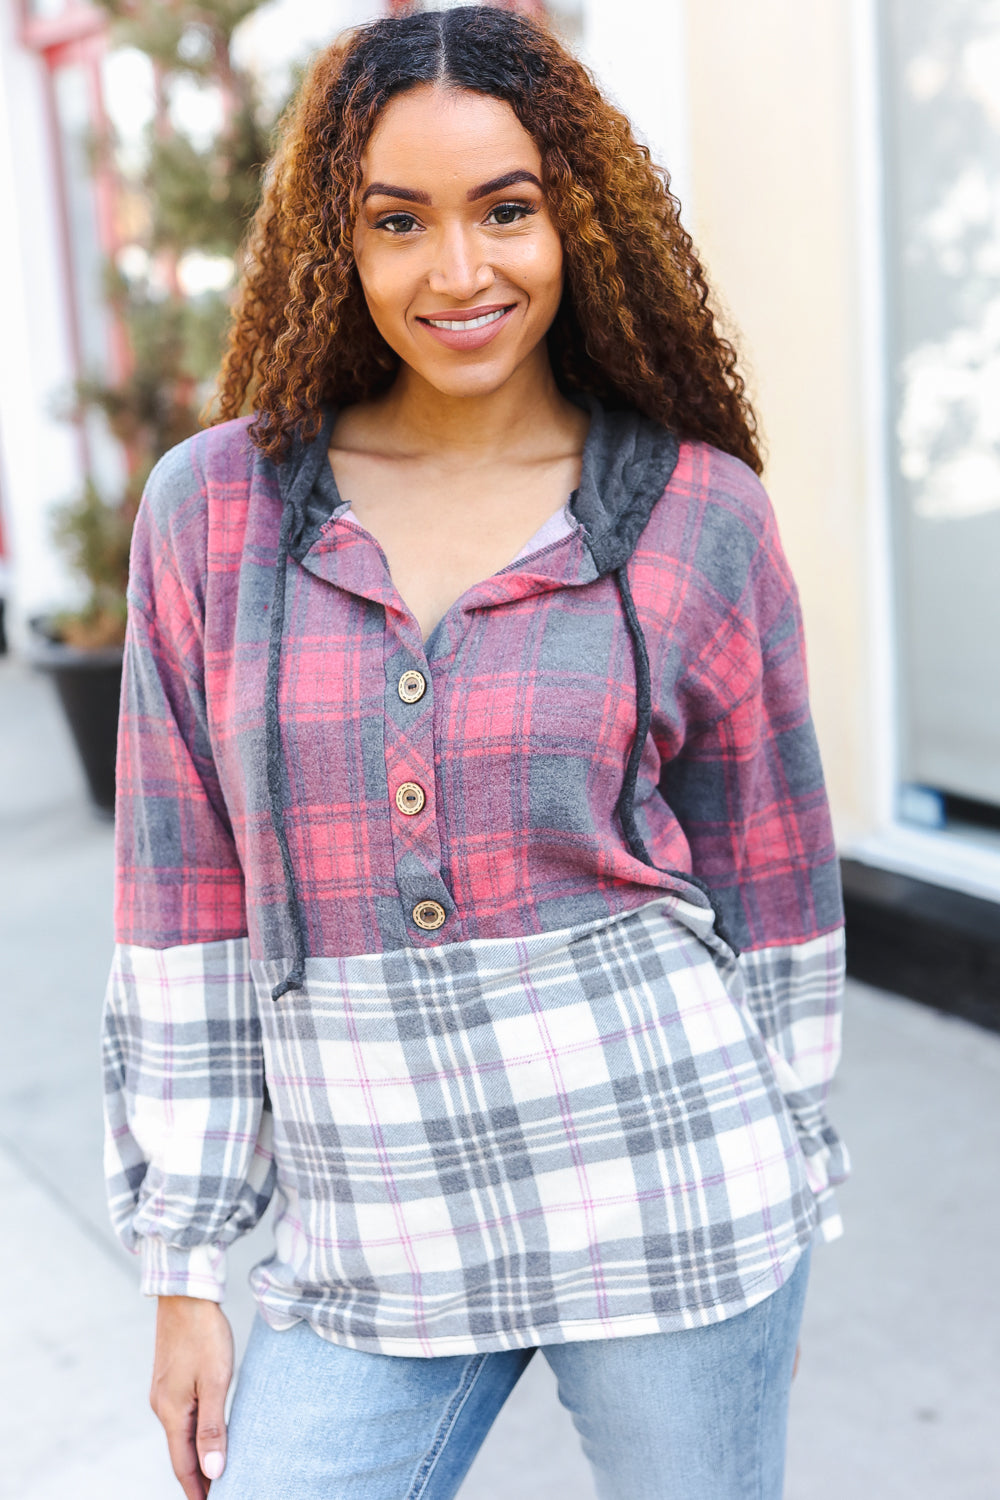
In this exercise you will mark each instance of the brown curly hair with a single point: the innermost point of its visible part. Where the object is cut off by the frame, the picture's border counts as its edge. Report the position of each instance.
(634, 327)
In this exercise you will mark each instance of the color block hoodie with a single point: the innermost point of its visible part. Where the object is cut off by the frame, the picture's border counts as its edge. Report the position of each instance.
(462, 943)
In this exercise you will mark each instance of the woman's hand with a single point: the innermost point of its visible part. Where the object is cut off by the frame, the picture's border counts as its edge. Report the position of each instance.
(192, 1368)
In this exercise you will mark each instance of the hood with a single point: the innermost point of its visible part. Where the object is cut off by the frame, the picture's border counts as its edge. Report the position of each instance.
(627, 464)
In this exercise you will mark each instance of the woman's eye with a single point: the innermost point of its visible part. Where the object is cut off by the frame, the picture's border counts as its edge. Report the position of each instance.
(509, 213)
(397, 223)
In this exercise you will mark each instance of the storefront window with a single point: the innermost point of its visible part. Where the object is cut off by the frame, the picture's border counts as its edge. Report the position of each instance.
(942, 65)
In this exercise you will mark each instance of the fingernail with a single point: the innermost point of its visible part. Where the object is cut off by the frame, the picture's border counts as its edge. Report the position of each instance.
(212, 1465)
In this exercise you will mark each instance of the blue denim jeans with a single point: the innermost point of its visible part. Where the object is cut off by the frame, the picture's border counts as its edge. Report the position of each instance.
(697, 1415)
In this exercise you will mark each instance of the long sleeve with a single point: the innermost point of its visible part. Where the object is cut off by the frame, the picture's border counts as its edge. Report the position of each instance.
(188, 1155)
(747, 788)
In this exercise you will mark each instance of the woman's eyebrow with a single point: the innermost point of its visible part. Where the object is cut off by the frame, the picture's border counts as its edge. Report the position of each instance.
(497, 184)
(409, 195)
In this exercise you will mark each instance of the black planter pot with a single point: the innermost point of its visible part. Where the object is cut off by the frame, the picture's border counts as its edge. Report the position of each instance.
(89, 687)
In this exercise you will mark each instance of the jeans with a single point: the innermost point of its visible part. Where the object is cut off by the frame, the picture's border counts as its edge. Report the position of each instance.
(696, 1415)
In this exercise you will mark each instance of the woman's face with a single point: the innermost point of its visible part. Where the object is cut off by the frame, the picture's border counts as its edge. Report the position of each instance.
(459, 259)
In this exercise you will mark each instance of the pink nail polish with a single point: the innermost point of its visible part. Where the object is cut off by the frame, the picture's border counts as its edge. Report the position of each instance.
(212, 1465)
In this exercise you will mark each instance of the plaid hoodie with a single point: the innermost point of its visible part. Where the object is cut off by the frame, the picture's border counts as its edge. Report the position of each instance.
(511, 960)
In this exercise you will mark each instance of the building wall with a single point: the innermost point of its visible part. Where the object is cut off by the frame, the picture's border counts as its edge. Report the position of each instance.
(778, 203)
(637, 51)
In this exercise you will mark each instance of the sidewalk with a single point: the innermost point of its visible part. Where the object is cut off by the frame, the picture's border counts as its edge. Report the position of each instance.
(899, 1386)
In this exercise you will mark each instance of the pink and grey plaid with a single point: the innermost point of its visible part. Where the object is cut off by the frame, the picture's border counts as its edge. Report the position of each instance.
(570, 1111)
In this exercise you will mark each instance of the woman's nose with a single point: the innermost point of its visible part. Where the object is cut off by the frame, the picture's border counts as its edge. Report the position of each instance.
(459, 269)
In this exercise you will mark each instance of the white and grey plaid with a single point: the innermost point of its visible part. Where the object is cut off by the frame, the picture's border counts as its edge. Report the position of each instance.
(611, 1129)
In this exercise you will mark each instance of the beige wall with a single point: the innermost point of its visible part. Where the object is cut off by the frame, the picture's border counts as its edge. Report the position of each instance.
(775, 207)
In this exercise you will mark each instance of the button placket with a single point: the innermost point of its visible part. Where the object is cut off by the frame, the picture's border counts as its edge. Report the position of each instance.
(409, 747)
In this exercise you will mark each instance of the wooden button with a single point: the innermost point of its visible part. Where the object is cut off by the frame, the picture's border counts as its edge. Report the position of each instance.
(412, 686)
(429, 915)
(410, 798)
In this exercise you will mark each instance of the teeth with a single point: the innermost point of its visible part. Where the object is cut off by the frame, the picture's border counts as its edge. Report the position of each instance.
(466, 322)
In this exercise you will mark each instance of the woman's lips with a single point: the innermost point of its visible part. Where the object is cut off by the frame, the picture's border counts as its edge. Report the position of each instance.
(470, 329)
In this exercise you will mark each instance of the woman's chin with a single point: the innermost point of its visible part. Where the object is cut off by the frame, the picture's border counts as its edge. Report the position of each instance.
(473, 381)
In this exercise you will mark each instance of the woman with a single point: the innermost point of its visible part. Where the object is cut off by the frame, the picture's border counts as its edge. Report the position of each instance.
(477, 895)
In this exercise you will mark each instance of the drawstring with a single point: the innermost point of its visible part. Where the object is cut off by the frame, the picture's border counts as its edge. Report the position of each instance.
(295, 978)
(625, 807)
(293, 525)
(643, 718)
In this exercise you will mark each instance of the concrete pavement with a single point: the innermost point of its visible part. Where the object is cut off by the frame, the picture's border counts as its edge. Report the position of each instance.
(899, 1386)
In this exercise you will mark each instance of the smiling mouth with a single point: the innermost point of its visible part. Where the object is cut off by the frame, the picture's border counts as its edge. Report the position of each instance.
(465, 325)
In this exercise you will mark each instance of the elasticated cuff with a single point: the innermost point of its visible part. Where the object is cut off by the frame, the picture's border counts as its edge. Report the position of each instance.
(170, 1272)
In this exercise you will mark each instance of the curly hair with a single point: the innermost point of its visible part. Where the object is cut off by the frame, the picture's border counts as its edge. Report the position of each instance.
(634, 327)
